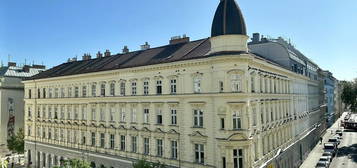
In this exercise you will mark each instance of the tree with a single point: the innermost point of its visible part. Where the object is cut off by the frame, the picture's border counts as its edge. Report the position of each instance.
(16, 142)
(142, 163)
(74, 163)
(349, 94)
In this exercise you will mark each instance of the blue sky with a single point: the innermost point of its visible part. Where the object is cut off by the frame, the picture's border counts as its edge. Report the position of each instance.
(51, 31)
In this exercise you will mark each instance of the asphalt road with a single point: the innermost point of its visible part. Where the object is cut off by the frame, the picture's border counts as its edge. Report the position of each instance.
(347, 153)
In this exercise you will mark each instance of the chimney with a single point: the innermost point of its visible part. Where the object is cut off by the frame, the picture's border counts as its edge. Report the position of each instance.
(11, 64)
(125, 50)
(86, 57)
(256, 38)
(99, 54)
(106, 53)
(145, 46)
(179, 39)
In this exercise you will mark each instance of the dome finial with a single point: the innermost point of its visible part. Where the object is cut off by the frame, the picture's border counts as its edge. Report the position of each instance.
(228, 19)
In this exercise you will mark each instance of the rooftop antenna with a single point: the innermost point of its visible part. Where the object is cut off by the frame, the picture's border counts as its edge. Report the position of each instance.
(8, 57)
(25, 61)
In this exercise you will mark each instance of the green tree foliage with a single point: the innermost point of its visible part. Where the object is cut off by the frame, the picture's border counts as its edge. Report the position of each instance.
(145, 164)
(16, 143)
(349, 94)
(74, 163)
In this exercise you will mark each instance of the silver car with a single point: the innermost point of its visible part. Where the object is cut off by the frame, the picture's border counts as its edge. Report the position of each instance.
(321, 165)
(328, 154)
(325, 159)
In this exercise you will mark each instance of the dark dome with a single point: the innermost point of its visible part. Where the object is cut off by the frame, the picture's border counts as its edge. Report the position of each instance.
(228, 19)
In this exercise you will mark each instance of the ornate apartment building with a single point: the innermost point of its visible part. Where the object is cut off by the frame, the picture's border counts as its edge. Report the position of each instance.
(192, 104)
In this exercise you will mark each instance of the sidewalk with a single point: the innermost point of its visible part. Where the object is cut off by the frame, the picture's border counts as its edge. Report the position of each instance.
(316, 153)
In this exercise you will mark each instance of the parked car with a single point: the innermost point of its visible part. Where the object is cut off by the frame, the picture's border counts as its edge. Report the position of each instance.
(325, 159)
(321, 164)
(328, 154)
(339, 132)
(334, 140)
(330, 147)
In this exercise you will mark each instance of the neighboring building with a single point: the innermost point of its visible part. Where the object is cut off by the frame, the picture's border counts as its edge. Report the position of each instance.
(192, 104)
(329, 85)
(11, 98)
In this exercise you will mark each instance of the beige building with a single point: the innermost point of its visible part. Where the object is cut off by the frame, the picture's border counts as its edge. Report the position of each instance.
(191, 104)
(11, 99)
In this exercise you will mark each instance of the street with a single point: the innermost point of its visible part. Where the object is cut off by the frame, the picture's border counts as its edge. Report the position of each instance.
(347, 153)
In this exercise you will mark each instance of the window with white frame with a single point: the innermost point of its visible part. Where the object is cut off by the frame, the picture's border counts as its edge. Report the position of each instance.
(43, 111)
(133, 115)
(93, 139)
(112, 89)
(69, 112)
(44, 132)
(133, 88)
(199, 153)
(62, 112)
(50, 112)
(158, 87)
(146, 116)
(55, 134)
(238, 158)
(76, 112)
(159, 116)
(69, 92)
(84, 91)
(29, 112)
(236, 83)
(76, 91)
(83, 142)
(198, 118)
(197, 84)
(28, 130)
(111, 113)
(122, 143)
(102, 89)
(112, 141)
(56, 111)
(102, 113)
(146, 87)
(50, 92)
(122, 88)
(122, 114)
(237, 123)
(62, 92)
(252, 83)
(102, 140)
(56, 92)
(61, 135)
(94, 90)
(94, 113)
(159, 150)
(254, 115)
(84, 112)
(173, 86)
(49, 133)
(134, 144)
(173, 149)
(173, 116)
(146, 146)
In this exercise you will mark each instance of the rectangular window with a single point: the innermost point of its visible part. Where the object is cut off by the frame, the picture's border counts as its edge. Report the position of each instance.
(69, 111)
(133, 88)
(69, 92)
(102, 140)
(237, 158)
(133, 115)
(173, 117)
(254, 111)
(29, 112)
(76, 91)
(197, 85)
(50, 92)
(122, 143)
(56, 112)
(62, 112)
(83, 138)
(94, 90)
(146, 116)
(102, 89)
(146, 87)
(111, 113)
(199, 153)
(252, 81)
(134, 144)
(49, 133)
(237, 124)
(93, 113)
(28, 130)
(93, 139)
(173, 86)
(236, 83)
(198, 118)
(56, 92)
(62, 92)
(159, 147)
(76, 113)
(84, 91)
(173, 149)
(112, 142)
(159, 87)
(30, 94)
(84, 112)
(146, 146)
(222, 123)
(49, 112)
(159, 117)
(122, 88)
(122, 115)
(112, 89)
(44, 93)
(102, 113)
